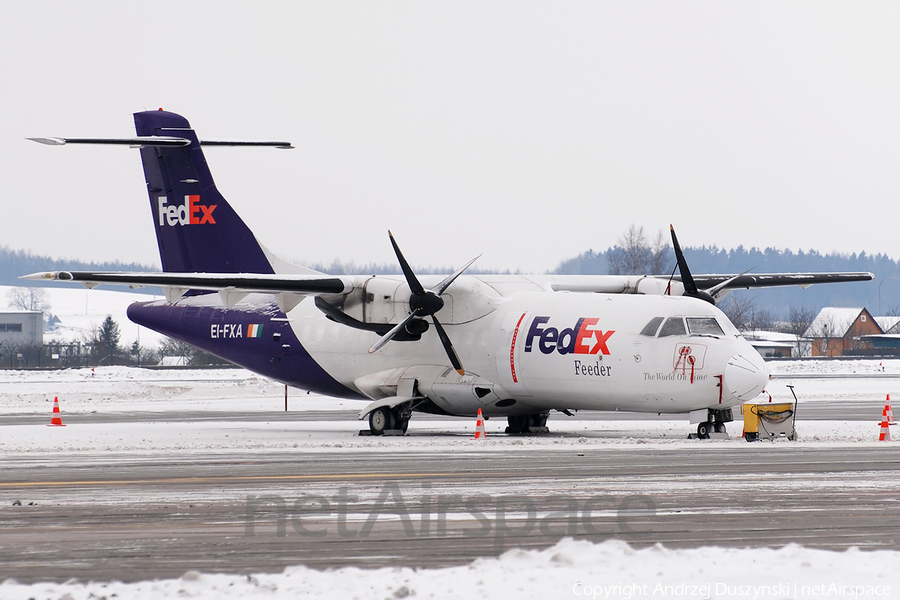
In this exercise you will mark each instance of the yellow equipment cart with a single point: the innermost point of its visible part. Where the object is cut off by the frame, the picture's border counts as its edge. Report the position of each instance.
(769, 420)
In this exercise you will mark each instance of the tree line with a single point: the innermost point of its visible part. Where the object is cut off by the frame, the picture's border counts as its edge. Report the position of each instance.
(639, 253)
(15, 263)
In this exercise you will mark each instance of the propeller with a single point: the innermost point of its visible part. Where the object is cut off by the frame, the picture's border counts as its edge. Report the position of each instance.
(424, 303)
(690, 287)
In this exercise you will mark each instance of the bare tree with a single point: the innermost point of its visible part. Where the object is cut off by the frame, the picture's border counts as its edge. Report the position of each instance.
(762, 320)
(662, 254)
(190, 355)
(28, 298)
(798, 321)
(739, 308)
(629, 257)
(892, 311)
(828, 330)
(634, 255)
(170, 347)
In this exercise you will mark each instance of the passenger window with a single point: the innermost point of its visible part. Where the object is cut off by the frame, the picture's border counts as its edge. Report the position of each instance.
(673, 326)
(704, 326)
(650, 328)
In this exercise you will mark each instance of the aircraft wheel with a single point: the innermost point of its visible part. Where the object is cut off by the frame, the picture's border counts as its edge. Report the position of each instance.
(518, 423)
(539, 419)
(400, 418)
(703, 430)
(381, 419)
(719, 427)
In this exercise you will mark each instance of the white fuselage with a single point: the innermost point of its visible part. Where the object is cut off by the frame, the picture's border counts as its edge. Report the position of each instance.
(543, 350)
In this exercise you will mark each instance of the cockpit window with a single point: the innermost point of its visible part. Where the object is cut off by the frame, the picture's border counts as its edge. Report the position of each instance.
(650, 328)
(673, 326)
(704, 326)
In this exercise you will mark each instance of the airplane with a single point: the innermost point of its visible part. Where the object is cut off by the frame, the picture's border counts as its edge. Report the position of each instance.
(514, 346)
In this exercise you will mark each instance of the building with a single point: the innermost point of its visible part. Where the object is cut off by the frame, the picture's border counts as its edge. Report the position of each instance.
(772, 344)
(887, 343)
(839, 331)
(21, 328)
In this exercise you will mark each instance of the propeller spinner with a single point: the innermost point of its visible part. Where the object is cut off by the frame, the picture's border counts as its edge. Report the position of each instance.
(424, 303)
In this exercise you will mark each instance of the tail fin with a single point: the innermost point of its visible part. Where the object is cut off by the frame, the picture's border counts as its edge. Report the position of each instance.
(196, 229)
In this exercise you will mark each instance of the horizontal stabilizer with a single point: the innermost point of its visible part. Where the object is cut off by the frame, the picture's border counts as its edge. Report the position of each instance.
(149, 141)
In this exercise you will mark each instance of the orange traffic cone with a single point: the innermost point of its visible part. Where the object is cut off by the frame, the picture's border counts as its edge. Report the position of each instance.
(56, 420)
(479, 427)
(887, 414)
(885, 435)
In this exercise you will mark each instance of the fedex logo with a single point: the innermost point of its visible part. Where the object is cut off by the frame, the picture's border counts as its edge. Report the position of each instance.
(189, 213)
(580, 339)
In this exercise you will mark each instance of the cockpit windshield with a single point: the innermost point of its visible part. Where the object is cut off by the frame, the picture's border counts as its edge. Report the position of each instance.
(651, 328)
(704, 326)
(682, 326)
(673, 326)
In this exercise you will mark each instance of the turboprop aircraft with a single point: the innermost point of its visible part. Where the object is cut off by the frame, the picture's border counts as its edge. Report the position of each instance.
(514, 346)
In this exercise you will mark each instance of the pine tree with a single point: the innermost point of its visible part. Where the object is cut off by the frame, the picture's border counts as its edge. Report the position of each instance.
(109, 337)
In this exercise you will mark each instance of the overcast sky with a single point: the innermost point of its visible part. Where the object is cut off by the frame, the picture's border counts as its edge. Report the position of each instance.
(529, 132)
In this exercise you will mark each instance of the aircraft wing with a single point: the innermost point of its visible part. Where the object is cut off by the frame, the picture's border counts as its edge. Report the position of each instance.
(760, 280)
(308, 285)
(717, 285)
(314, 285)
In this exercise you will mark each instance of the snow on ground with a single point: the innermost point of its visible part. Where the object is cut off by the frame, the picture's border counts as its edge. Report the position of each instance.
(127, 389)
(147, 396)
(425, 435)
(571, 568)
(843, 367)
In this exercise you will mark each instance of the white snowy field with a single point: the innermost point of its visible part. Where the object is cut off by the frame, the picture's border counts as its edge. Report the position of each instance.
(575, 569)
(571, 568)
(110, 391)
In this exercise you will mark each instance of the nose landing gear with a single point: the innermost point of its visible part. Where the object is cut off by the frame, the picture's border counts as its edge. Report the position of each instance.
(714, 425)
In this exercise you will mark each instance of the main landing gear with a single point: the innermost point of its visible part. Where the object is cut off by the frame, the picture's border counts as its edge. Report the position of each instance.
(524, 424)
(389, 421)
(714, 425)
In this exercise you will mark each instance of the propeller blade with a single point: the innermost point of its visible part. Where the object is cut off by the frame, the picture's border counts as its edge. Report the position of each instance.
(448, 346)
(686, 278)
(718, 288)
(423, 303)
(439, 288)
(411, 279)
(390, 334)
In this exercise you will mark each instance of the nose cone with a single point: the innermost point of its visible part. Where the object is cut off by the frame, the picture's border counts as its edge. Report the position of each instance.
(745, 376)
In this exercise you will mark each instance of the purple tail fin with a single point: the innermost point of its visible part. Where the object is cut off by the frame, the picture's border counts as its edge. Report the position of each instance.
(196, 229)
